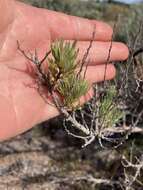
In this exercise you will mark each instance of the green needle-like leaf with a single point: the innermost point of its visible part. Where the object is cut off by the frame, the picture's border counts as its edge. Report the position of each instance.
(62, 68)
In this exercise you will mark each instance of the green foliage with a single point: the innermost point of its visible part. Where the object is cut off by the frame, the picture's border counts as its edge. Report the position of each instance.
(72, 88)
(109, 111)
(65, 55)
(63, 73)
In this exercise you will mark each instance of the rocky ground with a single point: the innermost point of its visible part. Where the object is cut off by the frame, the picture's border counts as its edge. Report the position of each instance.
(50, 160)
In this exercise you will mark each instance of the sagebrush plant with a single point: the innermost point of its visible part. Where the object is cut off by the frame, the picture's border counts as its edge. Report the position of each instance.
(65, 82)
(108, 110)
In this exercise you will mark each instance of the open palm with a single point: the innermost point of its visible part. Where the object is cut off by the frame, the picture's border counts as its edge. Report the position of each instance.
(21, 106)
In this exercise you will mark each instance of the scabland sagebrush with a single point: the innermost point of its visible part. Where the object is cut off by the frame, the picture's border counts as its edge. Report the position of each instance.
(65, 82)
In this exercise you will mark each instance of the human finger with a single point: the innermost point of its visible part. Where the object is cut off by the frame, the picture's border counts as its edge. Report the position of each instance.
(99, 72)
(76, 28)
(6, 18)
(6, 13)
(101, 51)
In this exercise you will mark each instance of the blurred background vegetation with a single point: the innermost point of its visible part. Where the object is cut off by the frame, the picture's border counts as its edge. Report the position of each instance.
(49, 141)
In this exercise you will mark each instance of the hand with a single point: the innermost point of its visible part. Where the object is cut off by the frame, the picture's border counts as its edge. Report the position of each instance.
(21, 107)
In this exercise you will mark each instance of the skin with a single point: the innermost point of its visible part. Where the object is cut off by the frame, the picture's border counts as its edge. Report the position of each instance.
(21, 106)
